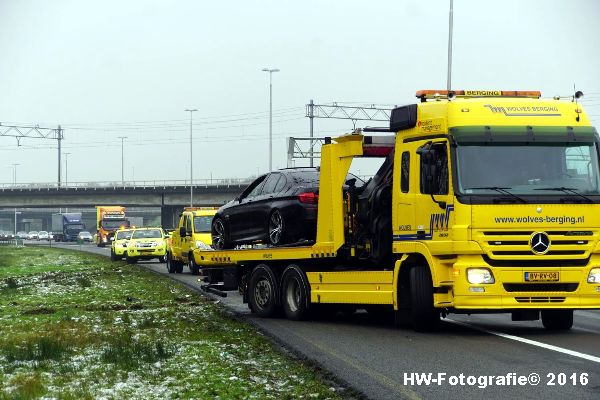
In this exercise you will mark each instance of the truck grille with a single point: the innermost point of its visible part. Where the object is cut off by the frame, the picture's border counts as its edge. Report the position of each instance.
(541, 287)
(540, 299)
(515, 245)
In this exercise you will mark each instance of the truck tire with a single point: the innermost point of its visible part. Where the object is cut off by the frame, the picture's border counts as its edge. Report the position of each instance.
(131, 260)
(295, 293)
(113, 256)
(557, 320)
(171, 265)
(162, 259)
(424, 316)
(263, 291)
(194, 268)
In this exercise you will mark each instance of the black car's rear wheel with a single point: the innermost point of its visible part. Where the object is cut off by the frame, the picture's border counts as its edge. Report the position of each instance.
(276, 228)
(219, 241)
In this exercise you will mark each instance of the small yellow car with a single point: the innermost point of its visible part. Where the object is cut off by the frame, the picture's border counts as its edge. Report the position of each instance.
(119, 244)
(146, 244)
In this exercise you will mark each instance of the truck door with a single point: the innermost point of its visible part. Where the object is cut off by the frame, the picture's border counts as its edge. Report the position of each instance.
(187, 242)
(176, 238)
(406, 183)
(433, 198)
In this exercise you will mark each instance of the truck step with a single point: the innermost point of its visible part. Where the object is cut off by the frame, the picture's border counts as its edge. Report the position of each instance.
(215, 288)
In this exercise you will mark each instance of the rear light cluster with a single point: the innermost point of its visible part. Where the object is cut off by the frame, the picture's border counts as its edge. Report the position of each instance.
(308, 198)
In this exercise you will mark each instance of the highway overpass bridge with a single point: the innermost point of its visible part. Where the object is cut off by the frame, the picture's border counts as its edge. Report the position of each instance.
(33, 204)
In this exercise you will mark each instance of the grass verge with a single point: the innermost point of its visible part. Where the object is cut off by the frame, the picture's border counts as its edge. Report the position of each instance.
(76, 326)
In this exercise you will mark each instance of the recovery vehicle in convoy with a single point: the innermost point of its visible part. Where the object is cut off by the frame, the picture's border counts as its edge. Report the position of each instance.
(485, 202)
(108, 220)
(192, 232)
(145, 244)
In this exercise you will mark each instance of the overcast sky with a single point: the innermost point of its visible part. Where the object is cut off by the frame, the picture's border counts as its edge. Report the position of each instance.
(105, 69)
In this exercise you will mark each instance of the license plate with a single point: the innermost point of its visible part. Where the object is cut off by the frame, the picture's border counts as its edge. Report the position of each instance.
(542, 276)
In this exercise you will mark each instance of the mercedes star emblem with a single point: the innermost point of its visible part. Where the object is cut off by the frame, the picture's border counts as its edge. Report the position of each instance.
(540, 243)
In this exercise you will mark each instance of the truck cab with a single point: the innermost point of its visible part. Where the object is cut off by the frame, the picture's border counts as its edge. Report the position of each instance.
(499, 196)
(192, 232)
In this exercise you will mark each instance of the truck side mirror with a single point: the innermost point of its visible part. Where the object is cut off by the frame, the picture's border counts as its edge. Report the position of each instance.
(182, 231)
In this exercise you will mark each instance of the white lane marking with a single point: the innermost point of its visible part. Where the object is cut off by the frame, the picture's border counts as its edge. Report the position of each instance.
(578, 328)
(529, 341)
(588, 315)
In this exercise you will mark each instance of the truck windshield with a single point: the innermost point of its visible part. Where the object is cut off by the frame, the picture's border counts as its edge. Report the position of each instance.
(115, 224)
(202, 224)
(528, 169)
(75, 228)
(147, 234)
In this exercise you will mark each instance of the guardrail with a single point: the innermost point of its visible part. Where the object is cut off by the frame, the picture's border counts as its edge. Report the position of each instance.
(126, 184)
(11, 242)
(134, 184)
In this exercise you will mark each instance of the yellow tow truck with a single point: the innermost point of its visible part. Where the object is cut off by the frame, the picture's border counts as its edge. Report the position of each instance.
(485, 202)
(193, 232)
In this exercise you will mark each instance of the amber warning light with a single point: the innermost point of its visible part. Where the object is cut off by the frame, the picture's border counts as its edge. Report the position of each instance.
(433, 94)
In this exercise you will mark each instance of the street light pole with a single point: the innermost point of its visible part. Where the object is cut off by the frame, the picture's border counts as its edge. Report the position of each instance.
(270, 71)
(191, 111)
(66, 168)
(122, 161)
(15, 173)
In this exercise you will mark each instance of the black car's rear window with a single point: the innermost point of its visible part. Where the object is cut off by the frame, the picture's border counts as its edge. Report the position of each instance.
(312, 177)
(305, 176)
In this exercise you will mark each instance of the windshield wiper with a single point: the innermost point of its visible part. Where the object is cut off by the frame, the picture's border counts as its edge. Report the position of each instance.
(503, 190)
(568, 191)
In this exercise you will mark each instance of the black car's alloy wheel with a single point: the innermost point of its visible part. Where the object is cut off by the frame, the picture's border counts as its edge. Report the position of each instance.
(218, 234)
(276, 228)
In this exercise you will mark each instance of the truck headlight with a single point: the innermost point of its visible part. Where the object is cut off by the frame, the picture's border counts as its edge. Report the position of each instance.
(594, 275)
(201, 245)
(479, 275)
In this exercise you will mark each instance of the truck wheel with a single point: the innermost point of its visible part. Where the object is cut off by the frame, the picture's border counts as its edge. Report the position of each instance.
(424, 316)
(262, 291)
(194, 268)
(113, 256)
(218, 233)
(294, 293)
(179, 268)
(162, 259)
(557, 320)
(131, 260)
(171, 265)
(276, 228)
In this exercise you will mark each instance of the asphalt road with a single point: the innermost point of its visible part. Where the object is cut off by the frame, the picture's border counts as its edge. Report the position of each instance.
(379, 360)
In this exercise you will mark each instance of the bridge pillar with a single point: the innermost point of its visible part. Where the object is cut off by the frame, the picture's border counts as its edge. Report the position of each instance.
(169, 216)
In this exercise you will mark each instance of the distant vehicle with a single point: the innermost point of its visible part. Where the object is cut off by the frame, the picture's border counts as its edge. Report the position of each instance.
(66, 226)
(119, 244)
(146, 243)
(43, 235)
(108, 220)
(277, 208)
(22, 235)
(85, 236)
(6, 235)
(32, 235)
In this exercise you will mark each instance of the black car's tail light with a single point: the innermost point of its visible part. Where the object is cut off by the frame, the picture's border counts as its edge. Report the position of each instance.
(308, 198)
